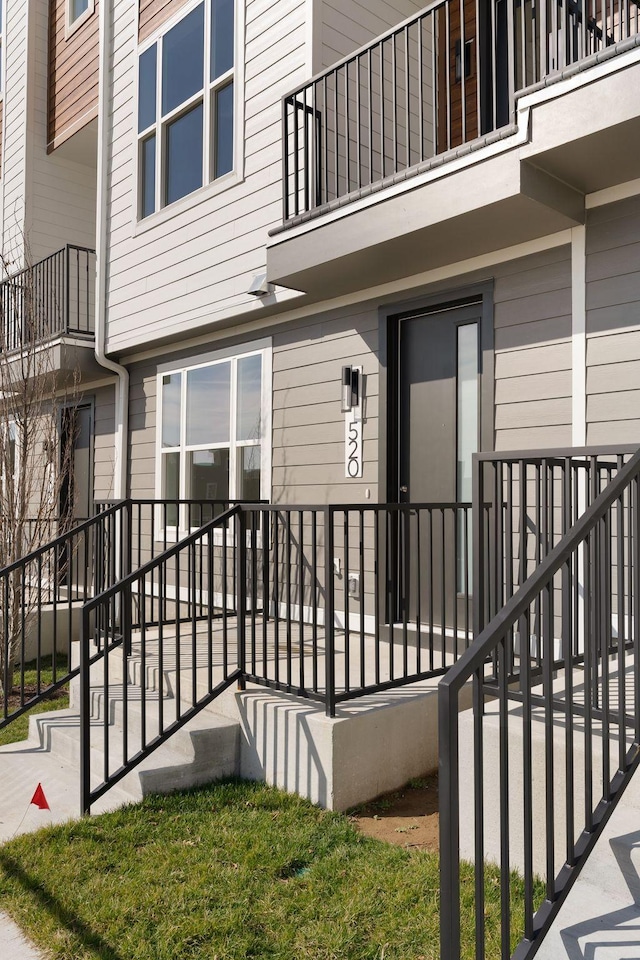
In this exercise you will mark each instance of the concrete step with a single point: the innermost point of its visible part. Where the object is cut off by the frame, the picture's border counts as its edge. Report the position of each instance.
(601, 916)
(205, 749)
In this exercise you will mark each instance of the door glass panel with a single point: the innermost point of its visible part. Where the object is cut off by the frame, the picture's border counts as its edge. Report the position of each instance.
(208, 404)
(171, 388)
(467, 430)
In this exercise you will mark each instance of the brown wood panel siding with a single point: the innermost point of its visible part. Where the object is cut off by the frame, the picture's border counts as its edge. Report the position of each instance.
(452, 122)
(153, 13)
(73, 74)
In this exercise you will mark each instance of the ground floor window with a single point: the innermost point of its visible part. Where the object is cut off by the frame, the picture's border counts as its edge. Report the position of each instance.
(212, 440)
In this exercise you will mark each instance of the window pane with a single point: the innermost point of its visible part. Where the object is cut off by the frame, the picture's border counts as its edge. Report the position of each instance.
(221, 37)
(148, 176)
(249, 396)
(170, 487)
(78, 7)
(208, 474)
(171, 385)
(184, 155)
(224, 130)
(208, 404)
(183, 60)
(249, 480)
(147, 88)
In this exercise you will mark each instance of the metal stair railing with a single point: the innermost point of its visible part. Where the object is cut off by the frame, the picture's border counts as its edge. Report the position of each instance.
(179, 604)
(555, 692)
(39, 598)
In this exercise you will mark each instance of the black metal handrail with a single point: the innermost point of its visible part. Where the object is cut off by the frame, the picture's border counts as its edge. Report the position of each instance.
(533, 498)
(205, 660)
(582, 729)
(254, 595)
(44, 589)
(54, 297)
(39, 594)
(361, 599)
(442, 79)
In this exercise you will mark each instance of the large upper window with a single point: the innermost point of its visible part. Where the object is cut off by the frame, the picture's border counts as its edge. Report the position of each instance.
(212, 434)
(186, 106)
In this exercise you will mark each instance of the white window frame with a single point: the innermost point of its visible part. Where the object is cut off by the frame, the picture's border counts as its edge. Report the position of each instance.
(72, 25)
(233, 355)
(158, 128)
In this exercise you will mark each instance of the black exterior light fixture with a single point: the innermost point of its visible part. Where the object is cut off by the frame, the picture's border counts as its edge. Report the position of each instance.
(350, 388)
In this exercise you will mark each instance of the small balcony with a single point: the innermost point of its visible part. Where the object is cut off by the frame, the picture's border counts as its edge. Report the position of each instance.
(447, 89)
(53, 298)
(52, 302)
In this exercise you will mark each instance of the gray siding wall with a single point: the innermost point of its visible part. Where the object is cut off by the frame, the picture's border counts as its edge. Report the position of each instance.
(613, 323)
(532, 383)
(103, 444)
(142, 426)
(532, 331)
(308, 426)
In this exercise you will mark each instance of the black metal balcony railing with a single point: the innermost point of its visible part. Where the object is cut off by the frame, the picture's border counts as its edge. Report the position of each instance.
(54, 297)
(442, 79)
(530, 776)
(305, 629)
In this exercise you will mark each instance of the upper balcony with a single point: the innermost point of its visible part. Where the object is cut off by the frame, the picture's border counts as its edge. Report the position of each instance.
(52, 303)
(460, 88)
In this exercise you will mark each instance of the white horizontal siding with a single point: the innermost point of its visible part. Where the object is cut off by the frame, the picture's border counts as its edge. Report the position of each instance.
(14, 159)
(347, 26)
(198, 263)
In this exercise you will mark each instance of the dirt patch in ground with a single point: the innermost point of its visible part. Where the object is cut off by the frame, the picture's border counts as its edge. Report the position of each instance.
(406, 817)
(31, 690)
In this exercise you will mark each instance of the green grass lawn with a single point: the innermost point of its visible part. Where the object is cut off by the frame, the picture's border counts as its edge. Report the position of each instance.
(19, 729)
(237, 870)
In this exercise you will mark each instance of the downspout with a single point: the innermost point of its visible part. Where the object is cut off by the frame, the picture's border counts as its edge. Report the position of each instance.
(122, 388)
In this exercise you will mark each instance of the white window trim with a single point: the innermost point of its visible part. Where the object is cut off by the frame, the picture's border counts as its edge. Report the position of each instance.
(262, 347)
(210, 187)
(70, 26)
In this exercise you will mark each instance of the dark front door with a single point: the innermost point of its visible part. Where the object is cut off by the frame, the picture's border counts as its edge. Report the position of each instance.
(439, 414)
(76, 494)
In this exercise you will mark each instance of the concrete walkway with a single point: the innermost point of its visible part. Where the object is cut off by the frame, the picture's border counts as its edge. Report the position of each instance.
(21, 771)
(22, 767)
(13, 945)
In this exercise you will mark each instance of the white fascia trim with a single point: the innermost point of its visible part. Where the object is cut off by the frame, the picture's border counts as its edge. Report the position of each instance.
(513, 142)
(621, 191)
(581, 79)
(484, 261)
(578, 336)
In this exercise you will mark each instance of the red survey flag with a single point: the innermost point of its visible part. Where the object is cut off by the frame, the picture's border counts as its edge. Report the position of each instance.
(39, 799)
